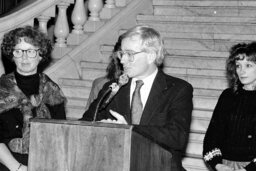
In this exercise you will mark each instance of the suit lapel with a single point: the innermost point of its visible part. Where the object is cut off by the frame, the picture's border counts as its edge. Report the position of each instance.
(159, 85)
(123, 101)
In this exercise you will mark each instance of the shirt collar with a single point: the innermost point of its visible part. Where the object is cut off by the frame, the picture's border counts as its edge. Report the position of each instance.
(149, 79)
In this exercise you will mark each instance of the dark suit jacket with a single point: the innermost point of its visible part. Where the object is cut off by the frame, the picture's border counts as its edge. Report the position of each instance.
(166, 117)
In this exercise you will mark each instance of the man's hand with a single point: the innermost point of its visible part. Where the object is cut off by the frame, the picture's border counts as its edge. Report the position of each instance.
(223, 167)
(119, 118)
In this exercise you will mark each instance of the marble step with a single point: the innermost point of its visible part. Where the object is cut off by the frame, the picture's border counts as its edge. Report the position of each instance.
(195, 144)
(218, 83)
(188, 27)
(197, 18)
(197, 53)
(74, 112)
(76, 101)
(76, 82)
(194, 71)
(214, 11)
(199, 44)
(194, 152)
(195, 62)
(75, 91)
(183, 65)
(106, 50)
(194, 164)
(200, 120)
(213, 3)
(204, 102)
(198, 77)
(211, 36)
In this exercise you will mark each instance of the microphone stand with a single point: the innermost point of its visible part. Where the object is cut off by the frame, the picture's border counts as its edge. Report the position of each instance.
(114, 87)
(98, 105)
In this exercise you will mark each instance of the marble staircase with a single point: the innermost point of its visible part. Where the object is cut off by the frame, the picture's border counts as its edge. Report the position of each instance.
(197, 36)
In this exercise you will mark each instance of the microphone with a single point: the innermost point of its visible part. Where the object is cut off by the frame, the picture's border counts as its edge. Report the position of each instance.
(123, 79)
(113, 88)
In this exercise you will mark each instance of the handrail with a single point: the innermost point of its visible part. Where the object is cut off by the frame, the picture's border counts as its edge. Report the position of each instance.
(15, 6)
(25, 15)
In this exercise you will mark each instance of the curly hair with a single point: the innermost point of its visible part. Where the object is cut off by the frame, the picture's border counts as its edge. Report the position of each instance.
(115, 68)
(239, 52)
(32, 36)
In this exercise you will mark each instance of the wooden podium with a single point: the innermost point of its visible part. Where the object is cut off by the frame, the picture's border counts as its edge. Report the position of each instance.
(62, 145)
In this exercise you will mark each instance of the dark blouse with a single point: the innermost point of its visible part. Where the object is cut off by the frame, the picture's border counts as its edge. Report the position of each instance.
(231, 133)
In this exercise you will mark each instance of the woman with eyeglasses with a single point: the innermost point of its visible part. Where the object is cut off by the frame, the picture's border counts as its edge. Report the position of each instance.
(25, 94)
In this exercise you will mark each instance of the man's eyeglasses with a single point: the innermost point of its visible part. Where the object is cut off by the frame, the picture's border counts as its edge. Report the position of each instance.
(31, 53)
(129, 54)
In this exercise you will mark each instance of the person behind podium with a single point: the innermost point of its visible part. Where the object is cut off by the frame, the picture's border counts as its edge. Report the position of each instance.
(158, 105)
(113, 71)
(24, 94)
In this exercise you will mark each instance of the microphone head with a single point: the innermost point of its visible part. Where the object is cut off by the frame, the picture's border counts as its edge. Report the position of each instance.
(123, 79)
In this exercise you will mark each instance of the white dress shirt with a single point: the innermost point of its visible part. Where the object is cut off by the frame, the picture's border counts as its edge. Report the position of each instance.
(145, 89)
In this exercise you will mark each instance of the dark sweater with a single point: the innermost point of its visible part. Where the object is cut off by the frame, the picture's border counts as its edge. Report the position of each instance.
(231, 133)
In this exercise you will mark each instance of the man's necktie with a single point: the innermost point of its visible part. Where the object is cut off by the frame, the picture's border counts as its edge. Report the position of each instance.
(136, 106)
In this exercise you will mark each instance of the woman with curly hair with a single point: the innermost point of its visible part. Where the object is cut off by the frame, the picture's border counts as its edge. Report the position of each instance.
(230, 140)
(24, 94)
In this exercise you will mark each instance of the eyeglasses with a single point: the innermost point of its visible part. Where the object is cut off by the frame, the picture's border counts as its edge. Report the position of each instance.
(31, 53)
(129, 54)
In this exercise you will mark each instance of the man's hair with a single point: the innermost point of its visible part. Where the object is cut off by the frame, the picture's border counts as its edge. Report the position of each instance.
(151, 41)
(239, 52)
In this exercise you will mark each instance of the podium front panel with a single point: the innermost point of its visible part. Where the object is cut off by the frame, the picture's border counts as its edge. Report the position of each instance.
(56, 146)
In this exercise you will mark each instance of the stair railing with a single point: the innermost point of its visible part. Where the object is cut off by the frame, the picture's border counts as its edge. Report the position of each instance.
(41, 11)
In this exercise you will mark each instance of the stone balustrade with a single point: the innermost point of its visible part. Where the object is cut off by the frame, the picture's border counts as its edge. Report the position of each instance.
(42, 11)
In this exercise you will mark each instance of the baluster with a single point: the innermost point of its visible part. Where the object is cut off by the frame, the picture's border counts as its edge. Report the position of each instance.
(121, 3)
(110, 4)
(109, 10)
(78, 19)
(95, 7)
(94, 22)
(43, 20)
(61, 31)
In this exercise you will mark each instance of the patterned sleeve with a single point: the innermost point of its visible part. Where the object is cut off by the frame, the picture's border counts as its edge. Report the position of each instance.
(54, 98)
(214, 135)
(1, 132)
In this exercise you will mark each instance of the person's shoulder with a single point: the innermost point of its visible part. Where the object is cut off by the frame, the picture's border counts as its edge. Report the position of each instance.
(227, 92)
(45, 79)
(5, 79)
(100, 81)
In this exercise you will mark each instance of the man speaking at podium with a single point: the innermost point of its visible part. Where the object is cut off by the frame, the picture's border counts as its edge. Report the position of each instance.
(157, 104)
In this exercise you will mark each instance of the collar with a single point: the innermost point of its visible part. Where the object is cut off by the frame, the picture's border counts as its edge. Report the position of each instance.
(148, 80)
